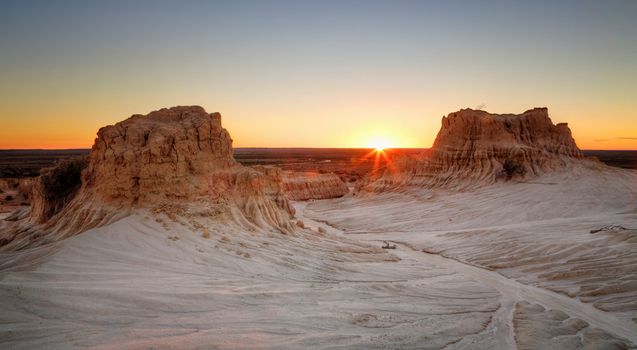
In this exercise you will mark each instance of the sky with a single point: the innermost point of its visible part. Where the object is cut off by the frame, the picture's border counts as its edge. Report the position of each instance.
(316, 73)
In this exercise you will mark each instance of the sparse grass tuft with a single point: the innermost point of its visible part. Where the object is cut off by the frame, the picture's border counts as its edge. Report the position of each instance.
(511, 169)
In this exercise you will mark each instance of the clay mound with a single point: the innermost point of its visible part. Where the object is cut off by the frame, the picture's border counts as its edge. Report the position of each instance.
(478, 148)
(300, 186)
(179, 157)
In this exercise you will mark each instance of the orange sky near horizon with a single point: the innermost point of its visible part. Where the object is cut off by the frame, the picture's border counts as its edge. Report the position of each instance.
(357, 128)
(342, 73)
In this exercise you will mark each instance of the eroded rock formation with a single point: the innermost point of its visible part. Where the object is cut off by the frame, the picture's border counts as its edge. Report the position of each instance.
(302, 186)
(477, 147)
(180, 156)
(273, 185)
(163, 155)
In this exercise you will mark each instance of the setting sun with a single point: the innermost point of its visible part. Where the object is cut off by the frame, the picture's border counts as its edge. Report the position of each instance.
(380, 144)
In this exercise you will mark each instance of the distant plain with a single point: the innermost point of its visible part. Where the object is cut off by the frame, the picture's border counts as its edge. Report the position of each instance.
(27, 163)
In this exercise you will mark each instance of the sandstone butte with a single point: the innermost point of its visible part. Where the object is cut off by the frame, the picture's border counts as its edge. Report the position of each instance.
(168, 160)
(475, 148)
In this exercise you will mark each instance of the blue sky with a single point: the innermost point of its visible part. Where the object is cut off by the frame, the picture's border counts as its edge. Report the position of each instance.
(352, 70)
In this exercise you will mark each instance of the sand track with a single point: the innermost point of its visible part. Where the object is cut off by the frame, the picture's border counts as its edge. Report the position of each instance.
(513, 290)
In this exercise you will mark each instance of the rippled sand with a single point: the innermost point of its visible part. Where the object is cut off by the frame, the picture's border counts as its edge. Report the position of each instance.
(504, 267)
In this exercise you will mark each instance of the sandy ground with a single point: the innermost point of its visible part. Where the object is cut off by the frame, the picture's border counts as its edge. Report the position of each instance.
(505, 267)
(530, 241)
(128, 285)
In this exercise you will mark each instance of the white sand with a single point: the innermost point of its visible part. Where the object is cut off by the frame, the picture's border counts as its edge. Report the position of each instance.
(500, 276)
(530, 241)
(127, 285)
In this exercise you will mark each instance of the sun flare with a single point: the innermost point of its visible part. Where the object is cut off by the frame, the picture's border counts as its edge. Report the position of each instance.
(380, 144)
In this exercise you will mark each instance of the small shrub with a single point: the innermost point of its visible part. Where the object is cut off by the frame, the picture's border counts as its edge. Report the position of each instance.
(59, 184)
(206, 233)
(511, 169)
(300, 224)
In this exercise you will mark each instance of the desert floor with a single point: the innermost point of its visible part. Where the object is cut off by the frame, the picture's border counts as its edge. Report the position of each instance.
(502, 267)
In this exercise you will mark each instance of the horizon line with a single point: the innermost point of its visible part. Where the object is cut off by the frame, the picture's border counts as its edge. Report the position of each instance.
(293, 147)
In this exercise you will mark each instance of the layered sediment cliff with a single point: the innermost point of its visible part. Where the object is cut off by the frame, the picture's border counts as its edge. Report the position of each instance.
(477, 148)
(177, 156)
(302, 186)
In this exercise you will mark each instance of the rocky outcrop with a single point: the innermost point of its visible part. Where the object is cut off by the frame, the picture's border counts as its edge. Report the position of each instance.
(300, 186)
(477, 148)
(161, 156)
(180, 156)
